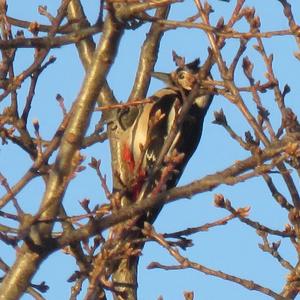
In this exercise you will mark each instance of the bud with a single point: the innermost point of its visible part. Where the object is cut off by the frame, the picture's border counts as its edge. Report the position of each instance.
(36, 125)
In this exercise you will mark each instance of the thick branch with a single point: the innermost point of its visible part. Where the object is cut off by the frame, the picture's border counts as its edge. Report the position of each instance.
(148, 56)
(207, 183)
(86, 49)
(27, 263)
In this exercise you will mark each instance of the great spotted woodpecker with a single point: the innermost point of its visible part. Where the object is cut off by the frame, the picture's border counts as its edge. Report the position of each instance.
(143, 131)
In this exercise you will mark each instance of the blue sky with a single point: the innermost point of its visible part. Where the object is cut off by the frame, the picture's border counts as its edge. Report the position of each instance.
(232, 248)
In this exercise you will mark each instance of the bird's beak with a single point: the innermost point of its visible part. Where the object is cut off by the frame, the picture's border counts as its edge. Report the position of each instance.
(165, 77)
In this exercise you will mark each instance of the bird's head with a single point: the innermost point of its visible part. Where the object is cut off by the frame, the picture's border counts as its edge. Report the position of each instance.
(185, 76)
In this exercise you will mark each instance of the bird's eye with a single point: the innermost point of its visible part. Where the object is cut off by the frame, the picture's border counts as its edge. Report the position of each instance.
(181, 75)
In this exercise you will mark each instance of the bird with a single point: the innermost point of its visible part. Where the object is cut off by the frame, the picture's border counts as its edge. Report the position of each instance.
(144, 135)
